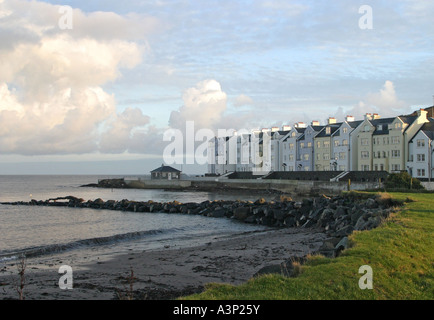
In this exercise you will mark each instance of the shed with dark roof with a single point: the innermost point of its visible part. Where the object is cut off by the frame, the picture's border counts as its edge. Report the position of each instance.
(165, 173)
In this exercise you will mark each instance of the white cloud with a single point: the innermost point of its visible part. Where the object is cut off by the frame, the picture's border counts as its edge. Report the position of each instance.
(385, 102)
(204, 104)
(243, 100)
(52, 99)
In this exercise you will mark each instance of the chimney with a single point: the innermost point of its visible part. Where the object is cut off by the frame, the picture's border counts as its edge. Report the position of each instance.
(422, 115)
(331, 120)
(376, 116)
(275, 129)
(315, 123)
(266, 130)
(350, 119)
(368, 116)
(286, 128)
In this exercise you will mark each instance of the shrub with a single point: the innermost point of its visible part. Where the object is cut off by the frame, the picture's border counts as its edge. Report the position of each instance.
(402, 180)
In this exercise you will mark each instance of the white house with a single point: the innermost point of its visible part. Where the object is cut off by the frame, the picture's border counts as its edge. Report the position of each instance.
(288, 147)
(421, 152)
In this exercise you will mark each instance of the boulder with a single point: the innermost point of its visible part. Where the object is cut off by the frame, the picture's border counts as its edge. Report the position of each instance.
(241, 213)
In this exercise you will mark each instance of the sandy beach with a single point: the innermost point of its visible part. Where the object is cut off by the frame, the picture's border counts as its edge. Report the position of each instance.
(162, 274)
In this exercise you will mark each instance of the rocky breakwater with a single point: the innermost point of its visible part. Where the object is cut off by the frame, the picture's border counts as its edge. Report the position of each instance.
(336, 216)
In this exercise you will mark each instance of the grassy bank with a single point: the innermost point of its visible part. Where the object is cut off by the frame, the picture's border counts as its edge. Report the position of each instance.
(400, 253)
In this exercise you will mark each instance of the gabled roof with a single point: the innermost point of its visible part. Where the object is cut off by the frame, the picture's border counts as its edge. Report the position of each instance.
(333, 128)
(355, 124)
(427, 129)
(164, 168)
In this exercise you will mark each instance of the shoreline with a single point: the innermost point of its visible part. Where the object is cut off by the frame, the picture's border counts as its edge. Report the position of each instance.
(319, 225)
(170, 273)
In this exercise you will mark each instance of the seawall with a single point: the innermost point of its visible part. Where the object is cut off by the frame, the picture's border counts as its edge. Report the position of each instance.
(284, 186)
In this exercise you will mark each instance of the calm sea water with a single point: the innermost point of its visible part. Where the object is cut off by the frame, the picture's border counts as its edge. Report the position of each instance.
(46, 232)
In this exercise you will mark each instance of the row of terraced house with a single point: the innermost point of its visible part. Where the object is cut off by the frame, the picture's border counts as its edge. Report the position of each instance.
(390, 144)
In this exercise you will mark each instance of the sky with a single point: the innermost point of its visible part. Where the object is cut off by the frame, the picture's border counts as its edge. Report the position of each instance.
(92, 87)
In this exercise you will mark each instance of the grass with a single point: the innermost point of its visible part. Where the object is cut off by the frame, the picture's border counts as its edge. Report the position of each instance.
(400, 253)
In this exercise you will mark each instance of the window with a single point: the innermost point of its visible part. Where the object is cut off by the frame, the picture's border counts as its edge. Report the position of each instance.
(365, 168)
(396, 167)
(421, 172)
(344, 130)
(302, 145)
(309, 144)
(367, 128)
(342, 168)
(318, 144)
(306, 157)
(336, 143)
(342, 156)
(293, 134)
(291, 146)
(318, 156)
(306, 169)
(364, 142)
(326, 156)
(345, 142)
(420, 143)
(421, 157)
(326, 144)
(376, 167)
(381, 167)
(396, 153)
(365, 154)
(397, 125)
(395, 140)
(328, 130)
(291, 157)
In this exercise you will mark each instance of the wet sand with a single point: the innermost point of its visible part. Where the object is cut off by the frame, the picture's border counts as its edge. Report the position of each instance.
(162, 274)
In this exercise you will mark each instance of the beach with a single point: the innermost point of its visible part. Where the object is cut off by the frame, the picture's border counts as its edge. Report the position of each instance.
(162, 274)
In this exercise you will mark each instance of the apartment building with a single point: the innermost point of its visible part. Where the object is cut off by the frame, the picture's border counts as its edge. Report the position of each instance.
(288, 147)
(421, 152)
(305, 148)
(324, 159)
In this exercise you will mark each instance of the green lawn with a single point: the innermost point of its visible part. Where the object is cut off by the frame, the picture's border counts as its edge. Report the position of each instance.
(400, 253)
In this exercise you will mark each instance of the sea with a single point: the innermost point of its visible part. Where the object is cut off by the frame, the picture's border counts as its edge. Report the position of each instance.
(77, 234)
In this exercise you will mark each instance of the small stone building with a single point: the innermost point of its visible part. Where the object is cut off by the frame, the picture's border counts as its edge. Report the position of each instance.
(165, 173)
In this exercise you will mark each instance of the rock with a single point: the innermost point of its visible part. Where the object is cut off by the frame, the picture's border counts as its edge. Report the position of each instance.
(219, 213)
(290, 222)
(371, 203)
(279, 214)
(361, 224)
(341, 246)
(344, 231)
(340, 212)
(250, 219)
(260, 201)
(241, 213)
(309, 223)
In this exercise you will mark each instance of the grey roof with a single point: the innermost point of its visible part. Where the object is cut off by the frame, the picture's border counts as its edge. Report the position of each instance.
(385, 122)
(164, 168)
(355, 124)
(333, 129)
(427, 129)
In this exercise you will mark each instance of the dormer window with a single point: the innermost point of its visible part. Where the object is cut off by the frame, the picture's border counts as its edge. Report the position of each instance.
(328, 130)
